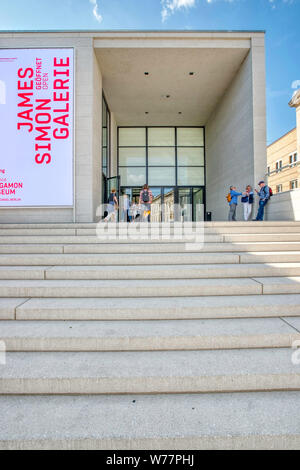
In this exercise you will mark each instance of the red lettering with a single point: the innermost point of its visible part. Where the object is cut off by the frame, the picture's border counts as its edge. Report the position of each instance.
(61, 96)
(28, 72)
(26, 98)
(39, 147)
(43, 105)
(25, 86)
(43, 118)
(41, 159)
(25, 124)
(60, 84)
(61, 133)
(44, 134)
(62, 72)
(61, 62)
(26, 114)
(62, 120)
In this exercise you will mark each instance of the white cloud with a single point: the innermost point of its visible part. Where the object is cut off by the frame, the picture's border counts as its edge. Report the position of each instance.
(96, 10)
(170, 6)
(296, 84)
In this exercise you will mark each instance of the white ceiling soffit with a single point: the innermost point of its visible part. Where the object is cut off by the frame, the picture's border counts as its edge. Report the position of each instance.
(131, 94)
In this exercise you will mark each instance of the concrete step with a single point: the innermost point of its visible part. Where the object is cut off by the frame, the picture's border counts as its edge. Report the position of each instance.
(261, 237)
(261, 420)
(269, 257)
(61, 239)
(225, 224)
(176, 247)
(278, 285)
(132, 288)
(170, 271)
(126, 248)
(92, 229)
(8, 307)
(146, 259)
(156, 308)
(149, 335)
(231, 230)
(183, 271)
(208, 238)
(23, 272)
(232, 370)
(119, 259)
(13, 249)
(38, 231)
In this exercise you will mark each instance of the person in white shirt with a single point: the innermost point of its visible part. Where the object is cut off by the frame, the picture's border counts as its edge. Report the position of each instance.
(247, 201)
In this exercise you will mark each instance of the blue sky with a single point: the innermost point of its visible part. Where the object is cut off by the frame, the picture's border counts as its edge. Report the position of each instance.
(280, 19)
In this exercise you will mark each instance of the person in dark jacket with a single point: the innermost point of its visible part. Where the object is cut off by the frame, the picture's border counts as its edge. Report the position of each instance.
(264, 196)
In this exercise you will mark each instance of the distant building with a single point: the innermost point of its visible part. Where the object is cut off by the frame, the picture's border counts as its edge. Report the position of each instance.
(283, 171)
(283, 163)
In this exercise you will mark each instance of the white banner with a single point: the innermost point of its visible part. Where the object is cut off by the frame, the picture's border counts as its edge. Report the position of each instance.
(36, 127)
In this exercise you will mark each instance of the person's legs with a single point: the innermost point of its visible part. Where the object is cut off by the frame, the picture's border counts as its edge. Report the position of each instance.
(258, 217)
(245, 206)
(250, 206)
(232, 212)
(247, 210)
(110, 209)
(261, 210)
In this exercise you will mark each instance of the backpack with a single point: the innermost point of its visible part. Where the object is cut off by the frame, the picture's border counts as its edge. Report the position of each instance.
(228, 197)
(145, 196)
(270, 191)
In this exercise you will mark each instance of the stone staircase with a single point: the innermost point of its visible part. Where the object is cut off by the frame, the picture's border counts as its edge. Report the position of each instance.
(147, 344)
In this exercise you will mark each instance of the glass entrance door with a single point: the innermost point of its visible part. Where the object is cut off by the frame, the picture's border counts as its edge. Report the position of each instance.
(107, 185)
(168, 212)
(184, 211)
(156, 206)
(198, 205)
(113, 183)
(185, 204)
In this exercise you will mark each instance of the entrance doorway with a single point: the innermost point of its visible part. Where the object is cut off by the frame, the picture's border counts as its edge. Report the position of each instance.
(185, 204)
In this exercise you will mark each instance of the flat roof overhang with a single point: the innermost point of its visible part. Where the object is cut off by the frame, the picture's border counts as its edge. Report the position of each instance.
(168, 56)
(168, 95)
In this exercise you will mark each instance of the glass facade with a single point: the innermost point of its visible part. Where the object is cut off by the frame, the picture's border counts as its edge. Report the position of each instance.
(161, 156)
(171, 160)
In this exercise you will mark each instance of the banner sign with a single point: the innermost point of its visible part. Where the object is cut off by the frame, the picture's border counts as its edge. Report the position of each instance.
(36, 127)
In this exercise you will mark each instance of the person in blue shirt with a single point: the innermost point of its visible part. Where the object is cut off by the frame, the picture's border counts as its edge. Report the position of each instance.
(233, 203)
(264, 196)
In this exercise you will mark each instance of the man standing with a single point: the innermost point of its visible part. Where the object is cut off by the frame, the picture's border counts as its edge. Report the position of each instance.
(233, 203)
(264, 196)
(146, 198)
